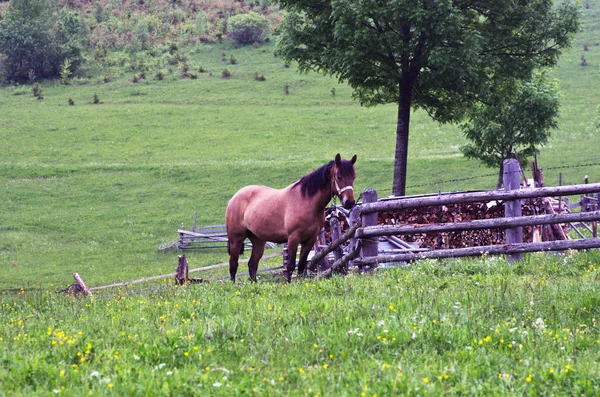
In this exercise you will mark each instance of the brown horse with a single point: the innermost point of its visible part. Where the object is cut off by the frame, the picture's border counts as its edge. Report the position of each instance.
(294, 214)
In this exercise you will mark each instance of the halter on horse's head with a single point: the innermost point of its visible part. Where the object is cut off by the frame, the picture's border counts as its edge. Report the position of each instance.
(343, 174)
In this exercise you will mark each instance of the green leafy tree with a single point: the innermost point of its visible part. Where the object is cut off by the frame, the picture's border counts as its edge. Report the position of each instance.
(70, 34)
(25, 38)
(519, 115)
(248, 28)
(35, 43)
(442, 56)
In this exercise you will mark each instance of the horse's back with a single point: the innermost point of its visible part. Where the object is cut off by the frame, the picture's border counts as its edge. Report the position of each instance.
(258, 209)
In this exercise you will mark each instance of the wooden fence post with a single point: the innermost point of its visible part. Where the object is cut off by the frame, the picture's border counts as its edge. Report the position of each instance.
(369, 245)
(353, 218)
(80, 287)
(512, 208)
(334, 224)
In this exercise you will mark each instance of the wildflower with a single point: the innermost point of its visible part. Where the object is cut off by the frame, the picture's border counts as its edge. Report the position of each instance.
(528, 379)
(425, 380)
(301, 370)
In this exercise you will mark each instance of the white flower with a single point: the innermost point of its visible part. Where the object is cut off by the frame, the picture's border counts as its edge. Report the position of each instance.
(539, 324)
(95, 374)
(354, 332)
(217, 384)
(380, 323)
(169, 373)
(136, 357)
(161, 366)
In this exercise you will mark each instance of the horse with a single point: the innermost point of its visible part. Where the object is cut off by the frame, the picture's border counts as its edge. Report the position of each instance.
(294, 214)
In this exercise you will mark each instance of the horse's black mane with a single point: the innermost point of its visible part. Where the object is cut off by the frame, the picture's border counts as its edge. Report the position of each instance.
(311, 183)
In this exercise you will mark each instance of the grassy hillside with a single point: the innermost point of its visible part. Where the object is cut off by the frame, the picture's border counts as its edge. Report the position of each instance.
(95, 188)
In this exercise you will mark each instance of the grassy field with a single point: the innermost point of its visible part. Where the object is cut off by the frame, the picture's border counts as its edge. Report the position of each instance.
(476, 327)
(97, 188)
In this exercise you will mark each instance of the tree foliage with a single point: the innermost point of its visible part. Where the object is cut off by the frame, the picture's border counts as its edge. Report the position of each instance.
(248, 28)
(442, 56)
(518, 116)
(33, 43)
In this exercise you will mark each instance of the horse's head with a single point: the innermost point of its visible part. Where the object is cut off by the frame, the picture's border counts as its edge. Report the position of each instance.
(342, 180)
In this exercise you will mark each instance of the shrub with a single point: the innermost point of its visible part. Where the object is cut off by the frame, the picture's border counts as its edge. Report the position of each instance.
(36, 90)
(33, 45)
(248, 28)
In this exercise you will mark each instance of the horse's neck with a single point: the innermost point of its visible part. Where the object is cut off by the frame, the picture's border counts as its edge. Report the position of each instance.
(322, 198)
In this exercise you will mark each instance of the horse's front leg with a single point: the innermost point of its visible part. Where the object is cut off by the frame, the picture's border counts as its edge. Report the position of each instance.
(304, 251)
(292, 248)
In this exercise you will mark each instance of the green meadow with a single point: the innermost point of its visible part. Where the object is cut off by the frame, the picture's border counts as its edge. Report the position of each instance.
(98, 188)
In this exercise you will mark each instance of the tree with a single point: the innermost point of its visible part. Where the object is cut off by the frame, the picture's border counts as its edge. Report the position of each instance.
(442, 56)
(25, 38)
(248, 28)
(33, 45)
(518, 116)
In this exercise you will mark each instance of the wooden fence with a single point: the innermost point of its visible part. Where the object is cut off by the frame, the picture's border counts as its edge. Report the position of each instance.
(364, 232)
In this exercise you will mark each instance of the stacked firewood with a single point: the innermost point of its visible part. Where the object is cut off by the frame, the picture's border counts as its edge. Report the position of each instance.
(454, 213)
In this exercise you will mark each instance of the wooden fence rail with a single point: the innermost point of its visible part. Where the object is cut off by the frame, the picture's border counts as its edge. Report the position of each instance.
(499, 223)
(476, 197)
(366, 235)
(561, 245)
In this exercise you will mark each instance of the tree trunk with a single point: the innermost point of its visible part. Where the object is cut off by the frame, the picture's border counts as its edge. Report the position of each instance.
(402, 129)
(500, 176)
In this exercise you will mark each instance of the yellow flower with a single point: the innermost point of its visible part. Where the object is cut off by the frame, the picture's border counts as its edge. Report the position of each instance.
(425, 380)
(62, 373)
(528, 379)
(110, 385)
(301, 370)
(324, 366)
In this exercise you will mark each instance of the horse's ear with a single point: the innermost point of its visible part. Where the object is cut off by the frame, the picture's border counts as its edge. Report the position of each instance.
(353, 159)
(338, 159)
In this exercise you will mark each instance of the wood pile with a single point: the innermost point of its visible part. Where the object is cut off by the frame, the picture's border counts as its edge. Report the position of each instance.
(455, 213)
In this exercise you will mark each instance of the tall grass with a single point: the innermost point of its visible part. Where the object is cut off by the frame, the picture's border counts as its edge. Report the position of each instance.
(479, 327)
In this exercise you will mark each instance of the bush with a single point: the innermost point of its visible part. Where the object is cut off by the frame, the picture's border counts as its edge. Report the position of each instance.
(248, 28)
(31, 46)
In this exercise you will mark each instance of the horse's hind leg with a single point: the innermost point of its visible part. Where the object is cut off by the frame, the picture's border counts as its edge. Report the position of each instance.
(235, 248)
(304, 251)
(258, 249)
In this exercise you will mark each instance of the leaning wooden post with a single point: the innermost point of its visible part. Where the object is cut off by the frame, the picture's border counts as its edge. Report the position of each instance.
(512, 208)
(81, 287)
(334, 224)
(369, 245)
(353, 218)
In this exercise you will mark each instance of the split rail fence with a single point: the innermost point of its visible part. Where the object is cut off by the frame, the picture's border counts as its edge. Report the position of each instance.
(364, 233)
